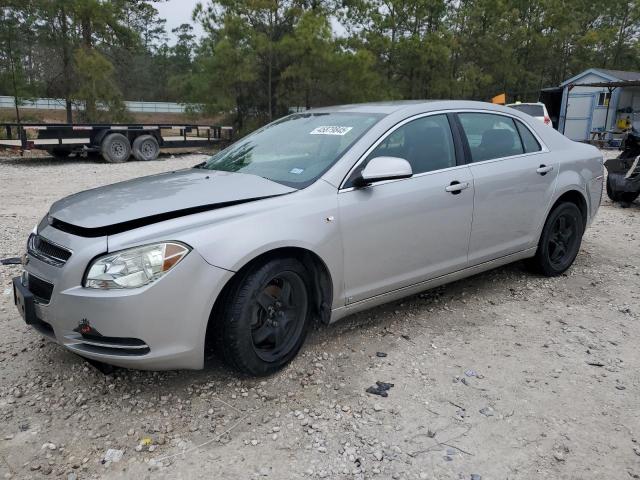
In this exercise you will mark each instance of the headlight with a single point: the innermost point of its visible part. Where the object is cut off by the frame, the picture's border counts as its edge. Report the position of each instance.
(134, 267)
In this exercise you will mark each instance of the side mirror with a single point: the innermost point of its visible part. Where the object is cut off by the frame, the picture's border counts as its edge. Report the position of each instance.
(383, 168)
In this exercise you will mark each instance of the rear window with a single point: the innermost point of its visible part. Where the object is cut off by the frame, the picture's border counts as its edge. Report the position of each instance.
(533, 110)
(490, 136)
(529, 142)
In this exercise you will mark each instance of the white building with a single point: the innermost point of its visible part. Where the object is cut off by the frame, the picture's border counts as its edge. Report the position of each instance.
(596, 99)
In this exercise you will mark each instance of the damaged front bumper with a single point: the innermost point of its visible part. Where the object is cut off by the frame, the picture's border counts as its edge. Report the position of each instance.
(156, 327)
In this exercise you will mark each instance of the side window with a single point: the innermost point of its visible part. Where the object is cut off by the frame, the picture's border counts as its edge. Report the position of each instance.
(490, 136)
(426, 143)
(604, 98)
(528, 140)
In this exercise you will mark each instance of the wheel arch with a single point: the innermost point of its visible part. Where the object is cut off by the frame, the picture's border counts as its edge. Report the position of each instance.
(573, 196)
(322, 286)
(570, 194)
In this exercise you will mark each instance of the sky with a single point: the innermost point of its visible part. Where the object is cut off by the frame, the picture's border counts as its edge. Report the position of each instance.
(177, 12)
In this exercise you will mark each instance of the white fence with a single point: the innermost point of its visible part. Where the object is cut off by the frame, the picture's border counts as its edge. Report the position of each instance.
(59, 104)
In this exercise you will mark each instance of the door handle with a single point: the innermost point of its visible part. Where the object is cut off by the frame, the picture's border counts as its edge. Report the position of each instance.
(456, 187)
(544, 169)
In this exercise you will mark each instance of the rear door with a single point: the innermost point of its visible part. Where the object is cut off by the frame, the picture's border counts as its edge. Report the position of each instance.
(514, 179)
(398, 233)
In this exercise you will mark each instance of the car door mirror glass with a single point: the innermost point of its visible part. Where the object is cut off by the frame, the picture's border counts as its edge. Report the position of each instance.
(384, 168)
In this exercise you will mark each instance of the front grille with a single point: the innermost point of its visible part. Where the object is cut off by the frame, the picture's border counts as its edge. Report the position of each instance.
(41, 289)
(47, 251)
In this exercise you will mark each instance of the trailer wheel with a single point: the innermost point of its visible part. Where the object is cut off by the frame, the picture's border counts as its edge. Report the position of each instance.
(617, 196)
(115, 148)
(145, 148)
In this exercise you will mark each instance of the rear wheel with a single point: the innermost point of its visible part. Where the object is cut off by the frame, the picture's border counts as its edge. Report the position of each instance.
(145, 148)
(617, 196)
(263, 319)
(115, 148)
(560, 240)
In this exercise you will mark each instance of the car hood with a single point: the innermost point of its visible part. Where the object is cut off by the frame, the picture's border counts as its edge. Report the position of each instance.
(134, 203)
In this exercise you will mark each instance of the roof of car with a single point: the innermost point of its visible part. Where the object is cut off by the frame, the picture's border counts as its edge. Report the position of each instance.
(389, 107)
(523, 103)
(372, 107)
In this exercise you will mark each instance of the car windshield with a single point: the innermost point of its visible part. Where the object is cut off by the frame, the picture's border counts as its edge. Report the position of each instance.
(295, 150)
(533, 110)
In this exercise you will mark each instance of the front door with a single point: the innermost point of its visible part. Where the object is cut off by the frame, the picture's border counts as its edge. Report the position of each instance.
(514, 180)
(398, 233)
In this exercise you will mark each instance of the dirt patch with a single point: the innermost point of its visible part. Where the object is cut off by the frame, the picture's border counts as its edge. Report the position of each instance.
(503, 375)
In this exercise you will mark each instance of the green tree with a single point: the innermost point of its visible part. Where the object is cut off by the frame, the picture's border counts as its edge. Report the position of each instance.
(15, 25)
(226, 72)
(67, 26)
(258, 58)
(312, 55)
(97, 87)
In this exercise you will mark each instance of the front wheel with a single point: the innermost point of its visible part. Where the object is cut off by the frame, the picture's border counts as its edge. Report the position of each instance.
(264, 317)
(560, 240)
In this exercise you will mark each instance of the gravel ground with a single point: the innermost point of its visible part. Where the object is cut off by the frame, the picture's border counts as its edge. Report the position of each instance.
(505, 375)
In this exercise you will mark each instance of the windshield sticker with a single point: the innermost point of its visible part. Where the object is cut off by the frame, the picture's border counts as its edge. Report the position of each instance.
(330, 130)
(296, 171)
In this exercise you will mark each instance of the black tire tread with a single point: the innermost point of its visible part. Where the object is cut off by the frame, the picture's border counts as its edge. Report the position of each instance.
(104, 147)
(135, 148)
(226, 318)
(539, 263)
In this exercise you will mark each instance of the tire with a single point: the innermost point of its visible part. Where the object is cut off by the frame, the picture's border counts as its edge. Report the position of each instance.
(560, 240)
(261, 324)
(616, 196)
(145, 148)
(115, 148)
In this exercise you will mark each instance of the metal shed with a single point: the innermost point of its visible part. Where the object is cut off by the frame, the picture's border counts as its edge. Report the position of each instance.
(596, 99)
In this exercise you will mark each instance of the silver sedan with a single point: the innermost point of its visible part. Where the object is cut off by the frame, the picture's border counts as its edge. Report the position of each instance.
(313, 217)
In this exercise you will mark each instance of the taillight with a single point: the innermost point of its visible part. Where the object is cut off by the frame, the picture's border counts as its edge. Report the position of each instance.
(547, 120)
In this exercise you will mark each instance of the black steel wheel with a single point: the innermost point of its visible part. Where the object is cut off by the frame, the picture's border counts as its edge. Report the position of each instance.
(560, 240)
(279, 315)
(263, 317)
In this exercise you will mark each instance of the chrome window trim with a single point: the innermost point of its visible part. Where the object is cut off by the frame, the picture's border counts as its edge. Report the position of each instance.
(383, 137)
(543, 146)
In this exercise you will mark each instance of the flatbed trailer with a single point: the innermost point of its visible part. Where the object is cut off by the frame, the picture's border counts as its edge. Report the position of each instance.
(115, 142)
